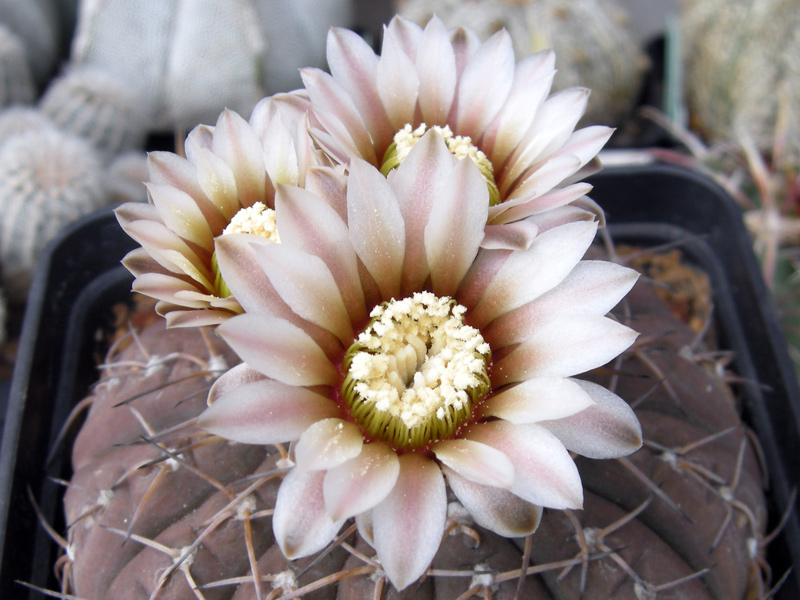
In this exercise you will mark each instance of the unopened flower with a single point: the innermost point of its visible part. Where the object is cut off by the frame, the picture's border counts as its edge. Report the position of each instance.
(399, 356)
(488, 108)
(226, 184)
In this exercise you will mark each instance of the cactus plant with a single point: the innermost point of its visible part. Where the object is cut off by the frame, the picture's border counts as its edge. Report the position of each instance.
(742, 74)
(47, 180)
(95, 105)
(19, 119)
(591, 38)
(16, 83)
(36, 24)
(682, 518)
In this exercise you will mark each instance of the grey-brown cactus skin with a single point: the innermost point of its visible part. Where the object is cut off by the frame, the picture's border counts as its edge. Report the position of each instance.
(680, 519)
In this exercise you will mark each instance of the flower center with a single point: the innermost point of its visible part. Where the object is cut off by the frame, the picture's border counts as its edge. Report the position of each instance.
(460, 146)
(416, 371)
(256, 220)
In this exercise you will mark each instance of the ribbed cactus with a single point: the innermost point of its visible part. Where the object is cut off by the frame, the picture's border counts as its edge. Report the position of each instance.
(97, 106)
(47, 180)
(592, 40)
(36, 22)
(19, 119)
(16, 83)
(187, 515)
(742, 72)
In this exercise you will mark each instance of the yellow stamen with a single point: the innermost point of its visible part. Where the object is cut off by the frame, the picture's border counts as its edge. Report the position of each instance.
(460, 146)
(415, 373)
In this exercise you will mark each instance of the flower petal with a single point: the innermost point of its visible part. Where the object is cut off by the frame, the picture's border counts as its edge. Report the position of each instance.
(592, 287)
(495, 508)
(607, 429)
(265, 412)
(313, 225)
(409, 523)
(359, 484)
(526, 275)
(237, 144)
(241, 374)
(181, 214)
(301, 524)
(544, 473)
(475, 461)
(307, 286)
(327, 444)
(562, 347)
(518, 207)
(278, 349)
(397, 82)
(376, 226)
(463, 205)
(513, 236)
(536, 400)
(437, 77)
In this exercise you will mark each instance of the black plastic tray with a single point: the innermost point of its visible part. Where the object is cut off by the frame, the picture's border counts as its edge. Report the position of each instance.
(81, 277)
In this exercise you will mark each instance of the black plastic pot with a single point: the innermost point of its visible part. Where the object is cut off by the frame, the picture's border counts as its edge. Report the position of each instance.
(81, 278)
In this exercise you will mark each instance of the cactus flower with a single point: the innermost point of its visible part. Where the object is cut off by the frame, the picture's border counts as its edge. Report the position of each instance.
(485, 105)
(228, 169)
(398, 356)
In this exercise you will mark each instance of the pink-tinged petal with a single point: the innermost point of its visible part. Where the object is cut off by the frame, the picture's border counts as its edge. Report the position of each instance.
(307, 286)
(301, 524)
(218, 182)
(398, 83)
(365, 529)
(175, 317)
(463, 205)
(587, 142)
(487, 265)
(280, 153)
(409, 523)
(592, 287)
(527, 274)
(201, 138)
(495, 508)
(535, 400)
(166, 168)
(418, 183)
(361, 483)
(377, 232)
(131, 212)
(139, 262)
(465, 43)
(564, 215)
(475, 461)
(533, 77)
(564, 346)
(330, 185)
(543, 178)
(233, 378)
(238, 145)
(438, 76)
(265, 412)
(169, 250)
(311, 224)
(239, 266)
(544, 473)
(165, 287)
(484, 84)
(338, 114)
(554, 123)
(607, 429)
(355, 66)
(405, 34)
(513, 236)
(278, 349)
(518, 207)
(327, 444)
(181, 214)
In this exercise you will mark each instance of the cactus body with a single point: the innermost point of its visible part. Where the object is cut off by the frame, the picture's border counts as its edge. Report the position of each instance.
(186, 494)
(16, 83)
(98, 107)
(47, 180)
(593, 43)
(16, 120)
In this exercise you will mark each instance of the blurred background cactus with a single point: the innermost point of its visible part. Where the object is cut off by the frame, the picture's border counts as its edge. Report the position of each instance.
(16, 81)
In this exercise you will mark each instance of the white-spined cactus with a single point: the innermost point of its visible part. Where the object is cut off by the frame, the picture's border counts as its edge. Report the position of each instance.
(95, 105)
(591, 38)
(47, 180)
(15, 120)
(743, 73)
(16, 81)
